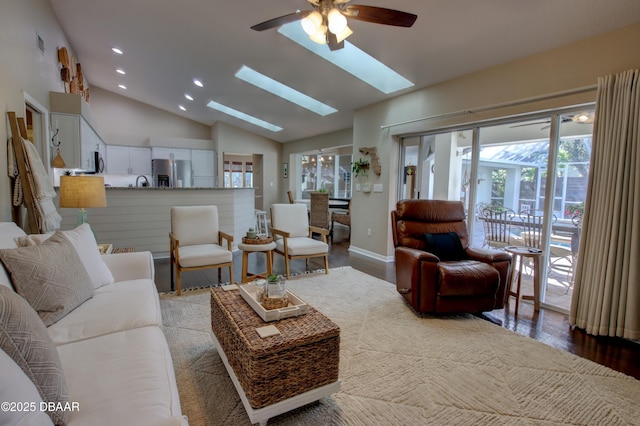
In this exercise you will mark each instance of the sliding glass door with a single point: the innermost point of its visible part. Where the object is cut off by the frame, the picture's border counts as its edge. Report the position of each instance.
(534, 170)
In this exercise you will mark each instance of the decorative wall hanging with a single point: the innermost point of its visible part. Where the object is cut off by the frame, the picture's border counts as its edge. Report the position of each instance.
(375, 160)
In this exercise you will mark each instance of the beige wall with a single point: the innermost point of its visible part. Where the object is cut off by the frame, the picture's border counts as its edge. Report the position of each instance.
(233, 140)
(25, 69)
(569, 67)
(123, 121)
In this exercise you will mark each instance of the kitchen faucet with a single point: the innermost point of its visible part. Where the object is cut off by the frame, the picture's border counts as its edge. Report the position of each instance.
(145, 178)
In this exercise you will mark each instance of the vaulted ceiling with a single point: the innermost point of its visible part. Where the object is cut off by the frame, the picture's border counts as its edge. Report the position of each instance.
(167, 44)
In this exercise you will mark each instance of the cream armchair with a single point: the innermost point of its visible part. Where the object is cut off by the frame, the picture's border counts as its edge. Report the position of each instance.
(291, 230)
(196, 242)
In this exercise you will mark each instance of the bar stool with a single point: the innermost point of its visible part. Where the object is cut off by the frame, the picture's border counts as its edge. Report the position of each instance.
(261, 223)
(519, 253)
(267, 249)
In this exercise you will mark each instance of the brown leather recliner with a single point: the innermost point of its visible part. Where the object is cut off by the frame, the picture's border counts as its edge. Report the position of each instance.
(470, 280)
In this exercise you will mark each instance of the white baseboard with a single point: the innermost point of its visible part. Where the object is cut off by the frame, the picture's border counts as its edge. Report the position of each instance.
(367, 253)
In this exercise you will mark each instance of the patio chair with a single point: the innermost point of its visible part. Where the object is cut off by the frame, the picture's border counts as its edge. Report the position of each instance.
(560, 254)
(343, 218)
(498, 223)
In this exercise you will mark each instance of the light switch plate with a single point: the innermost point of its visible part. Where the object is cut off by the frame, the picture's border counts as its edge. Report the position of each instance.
(357, 187)
(377, 187)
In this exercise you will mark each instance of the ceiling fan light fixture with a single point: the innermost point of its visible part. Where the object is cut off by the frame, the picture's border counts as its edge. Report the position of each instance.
(320, 36)
(344, 34)
(337, 21)
(312, 23)
(585, 117)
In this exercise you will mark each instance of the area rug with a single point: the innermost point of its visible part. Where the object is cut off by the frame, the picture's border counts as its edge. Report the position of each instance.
(398, 368)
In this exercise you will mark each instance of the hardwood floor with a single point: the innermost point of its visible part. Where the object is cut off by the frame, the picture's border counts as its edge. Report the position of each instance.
(547, 326)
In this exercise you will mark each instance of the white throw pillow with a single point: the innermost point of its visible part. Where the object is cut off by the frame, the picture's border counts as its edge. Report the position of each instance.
(85, 244)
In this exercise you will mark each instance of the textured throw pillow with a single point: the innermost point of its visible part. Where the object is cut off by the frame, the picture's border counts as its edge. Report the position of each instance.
(446, 246)
(49, 276)
(25, 339)
(86, 246)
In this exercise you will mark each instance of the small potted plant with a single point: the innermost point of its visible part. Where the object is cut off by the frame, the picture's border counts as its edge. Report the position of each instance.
(360, 167)
(276, 294)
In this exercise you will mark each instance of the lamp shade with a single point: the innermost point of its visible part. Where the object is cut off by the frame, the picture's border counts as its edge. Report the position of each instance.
(82, 191)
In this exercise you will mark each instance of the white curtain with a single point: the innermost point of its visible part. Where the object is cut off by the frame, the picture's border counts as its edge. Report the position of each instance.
(606, 298)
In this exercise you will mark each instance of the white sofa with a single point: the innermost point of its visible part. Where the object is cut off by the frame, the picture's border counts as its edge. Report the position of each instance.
(114, 355)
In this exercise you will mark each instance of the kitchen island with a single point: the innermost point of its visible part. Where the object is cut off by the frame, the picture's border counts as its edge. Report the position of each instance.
(140, 217)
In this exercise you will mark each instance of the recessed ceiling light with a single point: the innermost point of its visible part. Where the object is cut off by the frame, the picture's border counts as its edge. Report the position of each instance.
(116, 50)
(122, 86)
(351, 59)
(182, 108)
(188, 96)
(120, 71)
(197, 82)
(285, 92)
(242, 116)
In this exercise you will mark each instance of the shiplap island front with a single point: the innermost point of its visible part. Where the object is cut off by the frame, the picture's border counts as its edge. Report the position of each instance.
(140, 217)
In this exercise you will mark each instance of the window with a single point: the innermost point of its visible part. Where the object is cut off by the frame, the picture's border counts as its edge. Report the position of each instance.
(238, 174)
(227, 174)
(327, 172)
(248, 175)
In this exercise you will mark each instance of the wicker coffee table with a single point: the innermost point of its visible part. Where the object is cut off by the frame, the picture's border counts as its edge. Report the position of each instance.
(278, 373)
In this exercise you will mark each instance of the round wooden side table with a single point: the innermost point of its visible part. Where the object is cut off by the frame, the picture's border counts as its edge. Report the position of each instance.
(267, 248)
(519, 253)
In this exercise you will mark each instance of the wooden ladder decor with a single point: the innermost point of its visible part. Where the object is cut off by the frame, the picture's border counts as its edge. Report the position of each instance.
(19, 131)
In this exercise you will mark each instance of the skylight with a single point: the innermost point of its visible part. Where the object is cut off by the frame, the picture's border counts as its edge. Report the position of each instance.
(350, 59)
(242, 116)
(285, 92)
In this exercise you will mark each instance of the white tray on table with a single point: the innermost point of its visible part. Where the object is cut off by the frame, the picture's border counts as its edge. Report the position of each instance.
(295, 307)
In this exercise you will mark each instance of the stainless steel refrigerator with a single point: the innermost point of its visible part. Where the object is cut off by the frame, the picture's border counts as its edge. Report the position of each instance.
(162, 173)
(183, 174)
(171, 173)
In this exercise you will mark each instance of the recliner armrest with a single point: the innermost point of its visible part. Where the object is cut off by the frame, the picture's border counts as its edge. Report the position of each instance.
(486, 255)
(416, 255)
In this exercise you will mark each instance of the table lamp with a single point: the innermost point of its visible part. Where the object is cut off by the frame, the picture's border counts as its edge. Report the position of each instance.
(82, 192)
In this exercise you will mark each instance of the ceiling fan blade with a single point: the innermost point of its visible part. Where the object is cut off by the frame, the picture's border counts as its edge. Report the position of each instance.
(281, 20)
(380, 15)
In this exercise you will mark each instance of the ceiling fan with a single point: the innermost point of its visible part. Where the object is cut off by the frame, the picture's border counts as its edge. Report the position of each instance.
(327, 23)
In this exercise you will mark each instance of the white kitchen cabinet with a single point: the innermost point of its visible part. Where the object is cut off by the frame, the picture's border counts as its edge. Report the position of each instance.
(204, 182)
(203, 162)
(78, 141)
(128, 160)
(170, 153)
